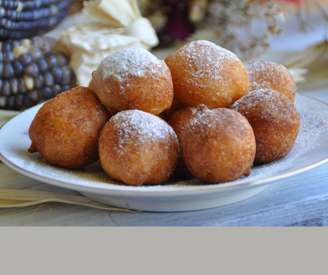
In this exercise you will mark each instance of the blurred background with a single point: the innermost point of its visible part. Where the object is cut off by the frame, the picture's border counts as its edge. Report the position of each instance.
(48, 46)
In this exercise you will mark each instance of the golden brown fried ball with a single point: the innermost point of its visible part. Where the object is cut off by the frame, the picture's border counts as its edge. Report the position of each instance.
(275, 122)
(218, 145)
(178, 120)
(204, 73)
(66, 129)
(176, 105)
(138, 148)
(133, 78)
(270, 75)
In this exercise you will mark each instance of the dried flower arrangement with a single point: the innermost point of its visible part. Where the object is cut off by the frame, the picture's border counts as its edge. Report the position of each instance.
(222, 21)
(242, 26)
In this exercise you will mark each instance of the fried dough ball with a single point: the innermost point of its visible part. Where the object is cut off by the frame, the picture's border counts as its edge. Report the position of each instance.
(133, 78)
(218, 145)
(275, 122)
(66, 129)
(204, 73)
(178, 121)
(138, 148)
(176, 105)
(270, 75)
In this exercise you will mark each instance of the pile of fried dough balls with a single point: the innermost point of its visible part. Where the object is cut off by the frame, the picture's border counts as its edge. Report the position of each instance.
(200, 112)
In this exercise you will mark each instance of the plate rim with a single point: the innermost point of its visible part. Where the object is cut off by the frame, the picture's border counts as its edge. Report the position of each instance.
(136, 190)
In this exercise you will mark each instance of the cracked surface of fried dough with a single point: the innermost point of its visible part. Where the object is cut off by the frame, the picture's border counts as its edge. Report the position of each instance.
(218, 145)
(275, 122)
(138, 148)
(205, 73)
(66, 129)
(270, 75)
(133, 78)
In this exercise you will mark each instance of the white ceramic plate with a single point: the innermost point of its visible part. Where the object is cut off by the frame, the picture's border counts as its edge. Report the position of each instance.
(310, 150)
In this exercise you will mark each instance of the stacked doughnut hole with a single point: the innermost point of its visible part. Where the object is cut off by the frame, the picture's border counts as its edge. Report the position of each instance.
(201, 111)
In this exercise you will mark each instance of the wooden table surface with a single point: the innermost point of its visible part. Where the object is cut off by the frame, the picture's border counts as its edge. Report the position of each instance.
(295, 201)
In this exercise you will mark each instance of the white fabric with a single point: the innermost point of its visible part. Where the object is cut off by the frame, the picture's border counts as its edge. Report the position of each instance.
(101, 27)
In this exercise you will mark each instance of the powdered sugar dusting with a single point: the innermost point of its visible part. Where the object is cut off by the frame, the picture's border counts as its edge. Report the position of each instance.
(267, 104)
(264, 67)
(263, 73)
(313, 131)
(201, 116)
(132, 61)
(141, 127)
(314, 123)
(206, 59)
